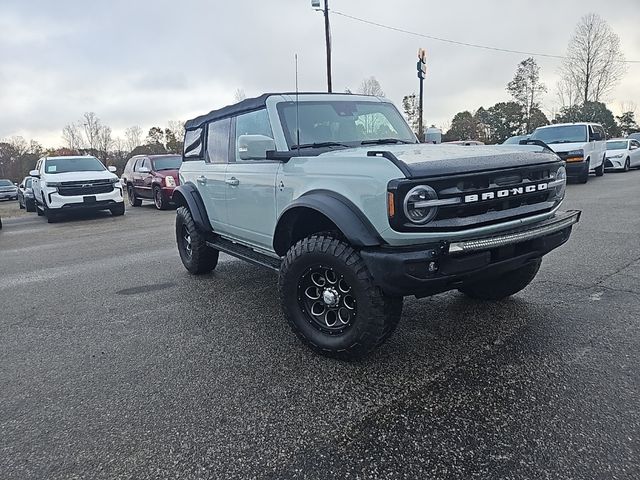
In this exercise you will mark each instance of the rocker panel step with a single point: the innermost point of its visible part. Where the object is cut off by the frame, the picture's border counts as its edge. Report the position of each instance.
(244, 253)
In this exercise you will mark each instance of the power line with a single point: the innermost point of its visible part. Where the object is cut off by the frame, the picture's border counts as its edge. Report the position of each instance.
(455, 42)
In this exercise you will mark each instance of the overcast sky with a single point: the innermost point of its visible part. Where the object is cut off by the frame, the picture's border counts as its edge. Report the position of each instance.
(144, 62)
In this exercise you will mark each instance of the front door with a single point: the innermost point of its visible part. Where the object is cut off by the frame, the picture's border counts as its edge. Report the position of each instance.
(211, 177)
(251, 185)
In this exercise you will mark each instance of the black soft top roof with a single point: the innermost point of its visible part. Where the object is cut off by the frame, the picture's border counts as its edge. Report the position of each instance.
(246, 105)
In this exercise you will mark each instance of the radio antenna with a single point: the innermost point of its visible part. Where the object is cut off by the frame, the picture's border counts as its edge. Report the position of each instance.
(297, 113)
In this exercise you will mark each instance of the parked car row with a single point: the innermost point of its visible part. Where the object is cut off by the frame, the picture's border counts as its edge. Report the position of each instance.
(585, 148)
(151, 177)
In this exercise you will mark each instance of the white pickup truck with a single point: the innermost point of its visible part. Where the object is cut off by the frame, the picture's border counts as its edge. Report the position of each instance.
(64, 184)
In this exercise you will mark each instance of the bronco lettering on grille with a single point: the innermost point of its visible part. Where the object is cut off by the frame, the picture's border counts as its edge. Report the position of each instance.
(507, 192)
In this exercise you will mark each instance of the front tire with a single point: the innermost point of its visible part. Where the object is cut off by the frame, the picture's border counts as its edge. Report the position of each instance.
(600, 170)
(117, 211)
(158, 199)
(507, 284)
(627, 165)
(330, 301)
(196, 256)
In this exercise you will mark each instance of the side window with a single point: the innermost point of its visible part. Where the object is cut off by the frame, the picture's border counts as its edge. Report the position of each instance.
(254, 136)
(138, 164)
(146, 163)
(218, 141)
(635, 144)
(193, 144)
(603, 135)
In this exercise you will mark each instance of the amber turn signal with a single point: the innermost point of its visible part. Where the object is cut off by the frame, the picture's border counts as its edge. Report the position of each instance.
(391, 205)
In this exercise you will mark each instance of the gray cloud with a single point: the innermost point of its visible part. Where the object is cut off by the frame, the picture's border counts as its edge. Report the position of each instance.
(147, 62)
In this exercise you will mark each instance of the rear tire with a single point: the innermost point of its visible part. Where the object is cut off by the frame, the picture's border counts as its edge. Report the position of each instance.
(20, 205)
(326, 274)
(196, 256)
(507, 284)
(134, 201)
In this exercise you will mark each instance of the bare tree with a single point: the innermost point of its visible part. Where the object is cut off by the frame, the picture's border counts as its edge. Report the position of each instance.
(594, 63)
(72, 136)
(526, 87)
(239, 95)
(104, 142)
(371, 86)
(177, 128)
(19, 144)
(133, 137)
(568, 93)
(91, 124)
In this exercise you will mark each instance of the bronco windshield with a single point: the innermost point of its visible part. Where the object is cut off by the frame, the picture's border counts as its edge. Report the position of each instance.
(617, 145)
(167, 163)
(73, 164)
(342, 124)
(561, 134)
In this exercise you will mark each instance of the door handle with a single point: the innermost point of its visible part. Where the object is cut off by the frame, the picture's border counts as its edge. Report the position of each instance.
(233, 181)
(201, 179)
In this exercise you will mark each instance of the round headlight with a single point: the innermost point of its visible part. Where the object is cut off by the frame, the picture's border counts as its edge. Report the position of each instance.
(561, 175)
(413, 209)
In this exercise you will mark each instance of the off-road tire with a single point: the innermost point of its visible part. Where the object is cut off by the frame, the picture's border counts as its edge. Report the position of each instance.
(600, 170)
(198, 258)
(118, 210)
(158, 199)
(134, 201)
(376, 316)
(507, 284)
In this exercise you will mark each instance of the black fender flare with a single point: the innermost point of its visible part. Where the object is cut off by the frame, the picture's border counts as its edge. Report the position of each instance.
(353, 224)
(187, 195)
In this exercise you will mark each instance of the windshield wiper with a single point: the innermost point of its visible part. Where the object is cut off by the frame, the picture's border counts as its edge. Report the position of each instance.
(565, 141)
(319, 145)
(382, 141)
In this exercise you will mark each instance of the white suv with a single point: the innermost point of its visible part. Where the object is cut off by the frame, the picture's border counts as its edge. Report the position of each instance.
(63, 184)
(581, 145)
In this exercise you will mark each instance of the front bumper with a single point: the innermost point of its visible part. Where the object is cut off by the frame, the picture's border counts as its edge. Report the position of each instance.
(445, 266)
(99, 201)
(9, 195)
(615, 163)
(577, 169)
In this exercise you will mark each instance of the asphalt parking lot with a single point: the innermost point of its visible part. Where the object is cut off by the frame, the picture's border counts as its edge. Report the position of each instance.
(115, 363)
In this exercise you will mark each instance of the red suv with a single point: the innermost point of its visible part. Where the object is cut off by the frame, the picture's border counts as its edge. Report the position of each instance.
(151, 177)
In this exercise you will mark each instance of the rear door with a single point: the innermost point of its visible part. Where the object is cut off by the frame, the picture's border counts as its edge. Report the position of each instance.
(251, 185)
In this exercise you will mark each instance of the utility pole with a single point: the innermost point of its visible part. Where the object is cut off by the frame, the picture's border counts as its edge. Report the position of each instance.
(327, 37)
(421, 66)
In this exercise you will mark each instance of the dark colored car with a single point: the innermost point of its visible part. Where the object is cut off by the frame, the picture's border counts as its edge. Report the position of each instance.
(26, 198)
(8, 190)
(152, 177)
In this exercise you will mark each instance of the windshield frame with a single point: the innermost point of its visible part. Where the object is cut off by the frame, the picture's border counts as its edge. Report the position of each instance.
(95, 161)
(356, 142)
(551, 128)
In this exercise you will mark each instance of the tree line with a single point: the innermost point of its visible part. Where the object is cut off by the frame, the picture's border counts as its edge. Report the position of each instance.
(90, 136)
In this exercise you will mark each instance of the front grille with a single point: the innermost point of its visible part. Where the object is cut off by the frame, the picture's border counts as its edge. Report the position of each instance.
(472, 214)
(89, 187)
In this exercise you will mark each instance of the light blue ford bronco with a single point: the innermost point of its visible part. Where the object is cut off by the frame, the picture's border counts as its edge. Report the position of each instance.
(334, 192)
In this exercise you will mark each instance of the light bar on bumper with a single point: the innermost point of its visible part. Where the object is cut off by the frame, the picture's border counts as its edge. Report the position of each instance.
(561, 221)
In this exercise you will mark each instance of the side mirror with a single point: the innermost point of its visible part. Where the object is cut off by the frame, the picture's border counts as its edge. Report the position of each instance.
(144, 170)
(112, 169)
(255, 147)
(633, 147)
(21, 186)
(34, 173)
(596, 137)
